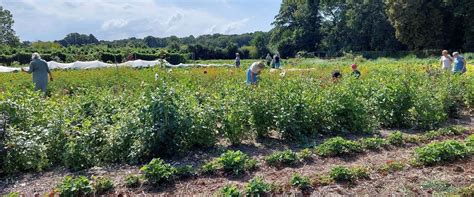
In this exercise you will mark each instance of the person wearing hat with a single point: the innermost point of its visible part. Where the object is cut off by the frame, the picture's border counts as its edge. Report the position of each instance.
(355, 72)
(459, 64)
(253, 72)
(40, 70)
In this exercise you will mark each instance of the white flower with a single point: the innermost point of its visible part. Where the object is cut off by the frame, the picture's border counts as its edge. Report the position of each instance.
(283, 74)
(156, 76)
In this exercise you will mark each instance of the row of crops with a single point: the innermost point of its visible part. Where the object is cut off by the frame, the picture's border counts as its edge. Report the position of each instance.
(108, 116)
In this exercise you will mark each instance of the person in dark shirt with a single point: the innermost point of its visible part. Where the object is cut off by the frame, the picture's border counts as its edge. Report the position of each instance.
(336, 75)
(355, 72)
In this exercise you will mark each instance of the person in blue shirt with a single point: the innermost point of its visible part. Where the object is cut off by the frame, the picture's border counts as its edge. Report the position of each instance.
(459, 64)
(253, 72)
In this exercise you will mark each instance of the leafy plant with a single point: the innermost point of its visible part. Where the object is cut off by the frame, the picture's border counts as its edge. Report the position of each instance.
(74, 186)
(341, 173)
(210, 167)
(132, 181)
(437, 186)
(305, 154)
(158, 172)
(391, 166)
(278, 158)
(438, 152)
(373, 143)
(395, 138)
(230, 191)
(236, 162)
(102, 184)
(257, 187)
(301, 182)
(338, 146)
(185, 171)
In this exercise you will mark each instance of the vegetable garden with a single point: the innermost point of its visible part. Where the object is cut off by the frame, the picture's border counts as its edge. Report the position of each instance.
(123, 116)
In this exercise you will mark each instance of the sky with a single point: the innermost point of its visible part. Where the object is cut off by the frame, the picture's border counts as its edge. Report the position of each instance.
(49, 20)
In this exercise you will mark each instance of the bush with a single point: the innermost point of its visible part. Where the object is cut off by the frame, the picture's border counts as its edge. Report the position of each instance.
(74, 186)
(102, 184)
(236, 162)
(210, 167)
(439, 152)
(257, 187)
(175, 58)
(229, 191)
(338, 146)
(301, 182)
(286, 157)
(373, 143)
(341, 173)
(185, 171)
(305, 154)
(395, 138)
(132, 181)
(158, 172)
(470, 142)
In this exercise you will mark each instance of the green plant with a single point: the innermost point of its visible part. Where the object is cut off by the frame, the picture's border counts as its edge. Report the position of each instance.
(301, 182)
(341, 173)
(102, 184)
(236, 162)
(257, 187)
(466, 191)
(12, 194)
(470, 142)
(395, 138)
(74, 186)
(305, 154)
(230, 191)
(373, 143)
(132, 181)
(323, 180)
(210, 167)
(286, 157)
(185, 171)
(158, 172)
(338, 146)
(391, 166)
(438, 152)
(438, 186)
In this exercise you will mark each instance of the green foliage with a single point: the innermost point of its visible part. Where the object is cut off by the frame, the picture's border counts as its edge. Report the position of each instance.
(391, 166)
(74, 186)
(7, 33)
(236, 162)
(132, 181)
(279, 158)
(344, 174)
(12, 194)
(470, 142)
(373, 143)
(466, 191)
(301, 182)
(439, 152)
(102, 184)
(210, 167)
(158, 172)
(257, 187)
(229, 191)
(338, 146)
(185, 171)
(438, 186)
(305, 154)
(395, 138)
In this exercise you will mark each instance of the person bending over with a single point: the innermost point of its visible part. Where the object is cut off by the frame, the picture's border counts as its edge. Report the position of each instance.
(253, 72)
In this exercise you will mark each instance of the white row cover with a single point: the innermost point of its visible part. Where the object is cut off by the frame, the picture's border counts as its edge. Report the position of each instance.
(78, 65)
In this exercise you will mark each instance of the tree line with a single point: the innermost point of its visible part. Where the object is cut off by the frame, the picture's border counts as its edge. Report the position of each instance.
(328, 27)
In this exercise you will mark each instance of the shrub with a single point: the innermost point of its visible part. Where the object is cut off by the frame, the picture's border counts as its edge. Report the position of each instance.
(257, 187)
(74, 186)
(391, 166)
(236, 162)
(395, 138)
(132, 181)
(301, 182)
(210, 167)
(286, 157)
(341, 173)
(157, 171)
(470, 142)
(438, 152)
(338, 146)
(373, 143)
(437, 186)
(323, 180)
(102, 184)
(185, 171)
(229, 191)
(305, 154)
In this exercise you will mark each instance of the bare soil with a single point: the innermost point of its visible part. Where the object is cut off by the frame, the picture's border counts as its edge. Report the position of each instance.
(405, 182)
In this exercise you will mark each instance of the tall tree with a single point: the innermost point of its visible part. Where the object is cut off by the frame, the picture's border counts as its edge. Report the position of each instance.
(7, 34)
(296, 27)
(418, 24)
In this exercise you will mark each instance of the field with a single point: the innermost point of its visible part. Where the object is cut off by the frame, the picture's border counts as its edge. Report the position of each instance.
(215, 134)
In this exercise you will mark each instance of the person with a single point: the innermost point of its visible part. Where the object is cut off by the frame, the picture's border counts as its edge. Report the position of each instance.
(336, 75)
(237, 60)
(269, 59)
(253, 72)
(40, 71)
(459, 64)
(276, 61)
(446, 60)
(355, 72)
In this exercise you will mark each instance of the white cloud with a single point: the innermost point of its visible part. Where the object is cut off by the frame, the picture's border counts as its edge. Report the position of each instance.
(114, 23)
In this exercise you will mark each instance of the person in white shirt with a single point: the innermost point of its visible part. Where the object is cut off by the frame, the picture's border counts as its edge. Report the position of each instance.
(254, 70)
(446, 61)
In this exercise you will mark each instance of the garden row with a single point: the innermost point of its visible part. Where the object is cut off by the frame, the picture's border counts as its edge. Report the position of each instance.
(131, 118)
(157, 172)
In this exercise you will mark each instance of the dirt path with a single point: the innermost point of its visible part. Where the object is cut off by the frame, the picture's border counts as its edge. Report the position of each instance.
(403, 182)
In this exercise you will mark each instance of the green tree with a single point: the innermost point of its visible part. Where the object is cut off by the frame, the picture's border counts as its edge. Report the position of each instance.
(7, 34)
(260, 42)
(296, 27)
(417, 23)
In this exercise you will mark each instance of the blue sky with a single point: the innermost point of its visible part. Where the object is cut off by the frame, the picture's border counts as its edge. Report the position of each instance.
(116, 19)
